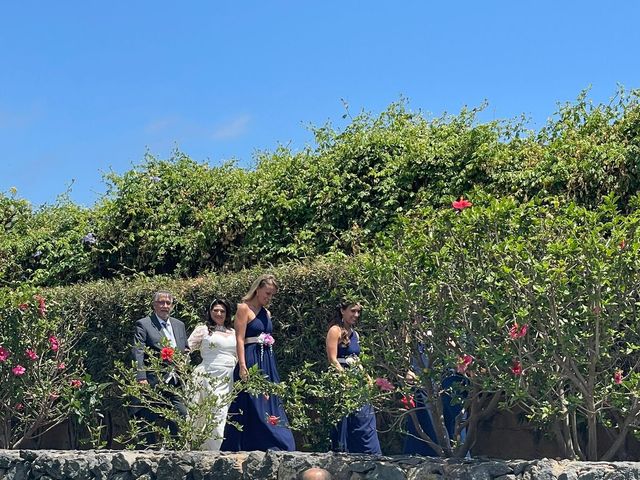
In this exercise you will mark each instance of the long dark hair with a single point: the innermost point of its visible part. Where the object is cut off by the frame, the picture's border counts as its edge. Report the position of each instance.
(343, 304)
(227, 312)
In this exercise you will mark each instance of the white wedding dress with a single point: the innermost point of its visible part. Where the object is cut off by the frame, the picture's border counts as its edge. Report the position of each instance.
(219, 358)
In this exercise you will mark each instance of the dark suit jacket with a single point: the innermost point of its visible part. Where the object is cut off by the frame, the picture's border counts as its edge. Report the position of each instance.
(149, 334)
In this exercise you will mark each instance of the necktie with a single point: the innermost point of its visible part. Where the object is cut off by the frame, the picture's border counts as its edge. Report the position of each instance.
(167, 330)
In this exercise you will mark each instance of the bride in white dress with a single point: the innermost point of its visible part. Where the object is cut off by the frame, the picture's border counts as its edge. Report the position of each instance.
(217, 344)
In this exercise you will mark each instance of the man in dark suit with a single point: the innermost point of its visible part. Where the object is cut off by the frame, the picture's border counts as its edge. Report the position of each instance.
(155, 332)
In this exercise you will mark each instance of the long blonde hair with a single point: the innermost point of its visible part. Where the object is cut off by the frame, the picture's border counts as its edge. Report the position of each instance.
(261, 281)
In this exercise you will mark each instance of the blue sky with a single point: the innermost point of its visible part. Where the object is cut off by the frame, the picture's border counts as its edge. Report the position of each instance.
(90, 86)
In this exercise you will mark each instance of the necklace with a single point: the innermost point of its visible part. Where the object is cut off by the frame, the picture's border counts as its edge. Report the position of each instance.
(219, 328)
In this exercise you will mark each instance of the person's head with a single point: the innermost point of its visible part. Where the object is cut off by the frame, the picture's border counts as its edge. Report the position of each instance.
(346, 316)
(348, 312)
(219, 313)
(162, 304)
(315, 473)
(262, 290)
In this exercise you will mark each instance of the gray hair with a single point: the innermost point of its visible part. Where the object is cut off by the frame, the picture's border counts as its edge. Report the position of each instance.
(163, 293)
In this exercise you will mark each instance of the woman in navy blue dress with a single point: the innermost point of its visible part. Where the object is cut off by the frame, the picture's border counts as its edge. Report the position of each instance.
(421, 421)
(264, 422)
(355, 433)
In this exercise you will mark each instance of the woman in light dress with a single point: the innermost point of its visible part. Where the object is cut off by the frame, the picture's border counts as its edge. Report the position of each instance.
(216, 341)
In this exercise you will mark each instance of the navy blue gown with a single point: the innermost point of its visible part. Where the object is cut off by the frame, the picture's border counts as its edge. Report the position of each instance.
(355, 433)
(452, 398)
(450, 409)
(264, 423)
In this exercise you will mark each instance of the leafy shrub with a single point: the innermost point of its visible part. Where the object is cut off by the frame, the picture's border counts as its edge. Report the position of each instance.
(185, 218)
(41, 370)
(535, 302)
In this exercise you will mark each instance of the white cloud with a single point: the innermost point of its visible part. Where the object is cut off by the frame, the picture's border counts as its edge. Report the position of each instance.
(232, 129)
(159, 125)
(180, 127)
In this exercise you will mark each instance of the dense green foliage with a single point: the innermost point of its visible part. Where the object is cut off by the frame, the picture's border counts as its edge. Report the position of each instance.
(541, 297)
(549, 243)
(41, 372)
(181, 217)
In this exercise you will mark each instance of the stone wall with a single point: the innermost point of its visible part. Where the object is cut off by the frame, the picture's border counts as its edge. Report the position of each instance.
(129, 465)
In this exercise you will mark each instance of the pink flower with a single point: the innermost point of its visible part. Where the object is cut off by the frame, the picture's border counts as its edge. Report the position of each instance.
(42, 307)
(53, 343)
(31, 354)
(4, 354)
(53, 396)
(617, 377)
(18, 370)
(464, 362)
(61, 366)
(273, 420)
(408, 402)
(513, 331)
(517, 331)
(266, 339)
(23, 307)
(516, 369)
(384, 384)
(461, 204)
(19, 407)
(75, 383)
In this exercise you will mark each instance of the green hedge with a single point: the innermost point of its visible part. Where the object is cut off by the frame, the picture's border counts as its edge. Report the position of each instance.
(108, 309)
(183, 217)
(459, 283)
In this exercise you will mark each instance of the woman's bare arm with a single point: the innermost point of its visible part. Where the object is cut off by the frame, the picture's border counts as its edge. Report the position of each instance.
(240, 326)
(333, 337)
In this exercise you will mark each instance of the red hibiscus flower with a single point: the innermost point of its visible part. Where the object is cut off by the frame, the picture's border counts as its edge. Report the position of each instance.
(384, 384)
(18, 370)
(273, 420)
(42, 307)
(464, 362)
(516, 369)
(4, 354)
(75, 383)
(53, 343)
(617, 377)
(408, 402)
(31, 354)
(461, 204)
(516, 331)
(167, 353)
